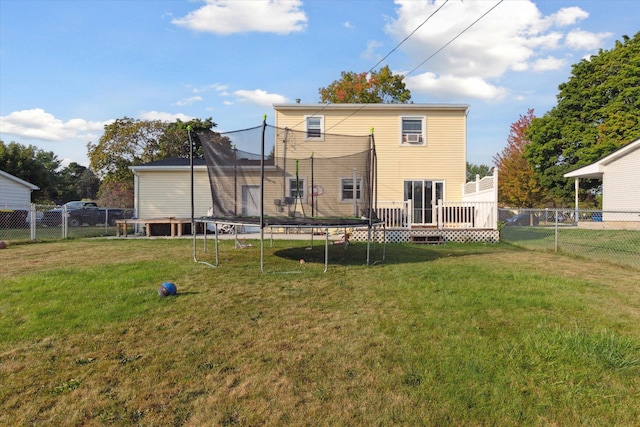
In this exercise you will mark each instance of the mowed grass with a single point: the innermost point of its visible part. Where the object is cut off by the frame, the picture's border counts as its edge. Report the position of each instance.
(454, 334)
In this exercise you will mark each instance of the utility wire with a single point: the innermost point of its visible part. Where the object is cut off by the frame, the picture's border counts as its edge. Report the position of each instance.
(453, 39)
(408, 37)
(382, 60)
(419, 65)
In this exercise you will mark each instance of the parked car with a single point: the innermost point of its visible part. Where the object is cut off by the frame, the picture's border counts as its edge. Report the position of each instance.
(81, 212)
(524, 219)
(12, 218)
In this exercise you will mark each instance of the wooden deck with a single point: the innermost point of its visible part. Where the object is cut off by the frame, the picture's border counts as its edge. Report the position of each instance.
(176, 225)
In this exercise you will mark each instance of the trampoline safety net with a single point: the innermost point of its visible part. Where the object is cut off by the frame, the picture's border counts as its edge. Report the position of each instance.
(296, 175)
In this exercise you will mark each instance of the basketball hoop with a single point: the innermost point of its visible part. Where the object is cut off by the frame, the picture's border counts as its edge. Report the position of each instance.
(316, 190)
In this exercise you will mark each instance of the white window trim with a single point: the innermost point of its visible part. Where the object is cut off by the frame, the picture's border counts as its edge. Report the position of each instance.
(306, 128)
(423, 136)
(303, 187)
(358, 184)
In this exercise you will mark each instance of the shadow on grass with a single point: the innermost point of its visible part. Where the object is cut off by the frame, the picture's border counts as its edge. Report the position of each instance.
(395, 253)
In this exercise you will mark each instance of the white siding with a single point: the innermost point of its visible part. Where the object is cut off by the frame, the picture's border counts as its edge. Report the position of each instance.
(621, 183)
(163, 194)
(14, 194)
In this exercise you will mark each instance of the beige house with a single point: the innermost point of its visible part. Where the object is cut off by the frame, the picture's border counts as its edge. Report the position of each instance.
(421, 159)
(421, 148)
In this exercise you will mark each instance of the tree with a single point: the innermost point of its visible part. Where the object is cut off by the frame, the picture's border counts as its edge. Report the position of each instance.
(517, 181)
(33, 165)
(597, 112)
(473, 170)
(366, 88)
(116, 194)
(175, 140)
(76, 182)
(129, 142)
(125, 142)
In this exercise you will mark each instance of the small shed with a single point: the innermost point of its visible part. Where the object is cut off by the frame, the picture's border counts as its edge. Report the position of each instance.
(620, 175)
(15, 192)
(162, 189)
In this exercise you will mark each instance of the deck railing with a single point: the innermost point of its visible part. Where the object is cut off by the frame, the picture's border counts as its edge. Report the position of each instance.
(469, 215)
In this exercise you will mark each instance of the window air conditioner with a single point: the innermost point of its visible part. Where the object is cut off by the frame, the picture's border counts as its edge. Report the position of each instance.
(412, 138)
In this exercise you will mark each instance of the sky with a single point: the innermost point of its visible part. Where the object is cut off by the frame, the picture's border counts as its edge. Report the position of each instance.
(70, 67)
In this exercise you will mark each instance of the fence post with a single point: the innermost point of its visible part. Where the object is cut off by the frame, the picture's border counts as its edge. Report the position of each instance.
(32, 221)
(65, 222)
(555, 243)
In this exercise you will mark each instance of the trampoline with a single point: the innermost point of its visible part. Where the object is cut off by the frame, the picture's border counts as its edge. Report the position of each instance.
(319, 183)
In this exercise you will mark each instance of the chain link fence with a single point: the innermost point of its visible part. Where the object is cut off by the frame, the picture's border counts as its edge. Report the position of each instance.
(612, 236)
(48, 222)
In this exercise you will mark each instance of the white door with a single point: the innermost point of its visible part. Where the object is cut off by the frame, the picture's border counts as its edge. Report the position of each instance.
(250, 200)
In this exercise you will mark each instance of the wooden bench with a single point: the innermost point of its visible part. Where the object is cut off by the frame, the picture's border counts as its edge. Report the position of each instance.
(176, 225)
(431, 240)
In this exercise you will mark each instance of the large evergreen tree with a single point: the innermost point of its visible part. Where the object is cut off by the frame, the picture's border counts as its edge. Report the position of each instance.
(597, 112)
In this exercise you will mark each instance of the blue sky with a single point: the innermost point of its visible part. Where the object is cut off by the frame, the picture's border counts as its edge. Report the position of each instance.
(67, 68)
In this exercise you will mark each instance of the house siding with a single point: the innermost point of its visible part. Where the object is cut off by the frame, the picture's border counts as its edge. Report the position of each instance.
(620, 183)
(164, 194)
(14, 194)
(441, 158)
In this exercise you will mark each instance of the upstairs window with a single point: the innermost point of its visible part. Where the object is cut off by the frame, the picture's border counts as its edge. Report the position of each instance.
(413, 131)
(315, 127)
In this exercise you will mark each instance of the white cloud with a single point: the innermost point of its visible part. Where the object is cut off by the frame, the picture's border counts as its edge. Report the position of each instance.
(448, 85)
(38, 124)
(215, 86)
(259, 97)
(165, 117)
(189, 101)
(548, 64)
(510, 38)
(370, 52)
(348, 24)
(568, 16)
(584, 40)
(228, 17)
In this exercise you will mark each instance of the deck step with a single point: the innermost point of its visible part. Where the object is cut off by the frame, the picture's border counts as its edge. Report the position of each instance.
(431, 240)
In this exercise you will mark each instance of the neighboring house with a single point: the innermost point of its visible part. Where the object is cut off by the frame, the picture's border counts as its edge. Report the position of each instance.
(15, 200)
(421, 159)
(620, 175)
(15, 192)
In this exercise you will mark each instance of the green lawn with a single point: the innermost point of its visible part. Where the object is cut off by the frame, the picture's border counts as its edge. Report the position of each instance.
(615, 246)
(457, 334)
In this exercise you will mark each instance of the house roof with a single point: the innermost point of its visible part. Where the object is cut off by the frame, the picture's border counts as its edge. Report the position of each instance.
(596, 169)
(19, 181)
(405, 107)
(177, 163)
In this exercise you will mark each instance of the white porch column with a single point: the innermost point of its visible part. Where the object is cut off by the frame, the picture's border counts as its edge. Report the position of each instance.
(577, 188)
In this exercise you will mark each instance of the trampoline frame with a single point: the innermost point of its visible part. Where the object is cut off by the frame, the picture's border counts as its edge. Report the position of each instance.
(371, 227)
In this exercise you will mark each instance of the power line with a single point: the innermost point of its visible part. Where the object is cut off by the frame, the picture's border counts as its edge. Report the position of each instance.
(453, 39)
(379, 62)
(408, 37)
(419, 65)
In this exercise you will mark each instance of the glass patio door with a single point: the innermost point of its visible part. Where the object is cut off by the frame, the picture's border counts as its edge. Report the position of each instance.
(424, 196)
